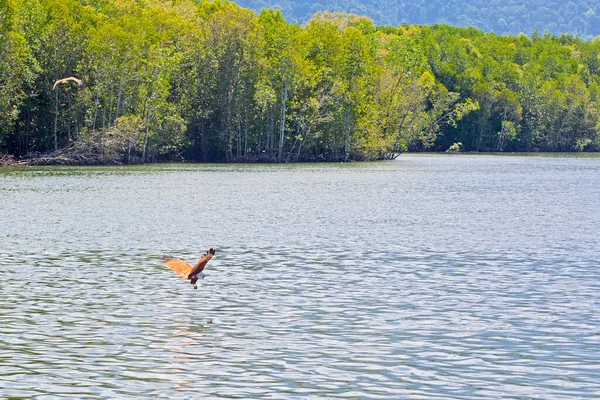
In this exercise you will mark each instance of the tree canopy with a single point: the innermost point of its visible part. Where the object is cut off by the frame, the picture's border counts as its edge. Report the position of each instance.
(212, 81)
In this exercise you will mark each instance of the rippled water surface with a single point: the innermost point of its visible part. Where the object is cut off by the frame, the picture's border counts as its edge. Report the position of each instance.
(425, 277)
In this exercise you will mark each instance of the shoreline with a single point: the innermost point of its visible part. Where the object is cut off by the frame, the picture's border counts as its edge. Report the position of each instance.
(7, 161)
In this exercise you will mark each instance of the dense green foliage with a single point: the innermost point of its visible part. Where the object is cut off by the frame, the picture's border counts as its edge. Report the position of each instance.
(577, 17)
(213, 81)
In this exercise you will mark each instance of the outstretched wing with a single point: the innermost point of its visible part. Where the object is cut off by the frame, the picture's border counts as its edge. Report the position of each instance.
(70, 78)
(202, 262)
(181, 268)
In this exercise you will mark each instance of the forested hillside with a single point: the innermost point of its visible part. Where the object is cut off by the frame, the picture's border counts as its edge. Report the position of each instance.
(211, 81)
(577, 17)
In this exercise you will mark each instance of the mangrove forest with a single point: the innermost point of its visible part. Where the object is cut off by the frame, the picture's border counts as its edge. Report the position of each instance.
(133, 81)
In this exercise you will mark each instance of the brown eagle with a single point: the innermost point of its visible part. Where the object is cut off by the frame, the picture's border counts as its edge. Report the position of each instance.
(185, 270)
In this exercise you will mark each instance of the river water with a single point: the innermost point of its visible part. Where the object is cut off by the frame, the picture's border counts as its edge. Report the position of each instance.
(431, 276)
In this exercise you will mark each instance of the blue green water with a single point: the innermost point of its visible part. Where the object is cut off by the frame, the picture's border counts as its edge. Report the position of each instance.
(431, 276)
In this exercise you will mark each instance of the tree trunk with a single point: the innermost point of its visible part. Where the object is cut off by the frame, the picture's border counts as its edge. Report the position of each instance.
(301, 144)
(270, 127)
(246, 135)
(104, 117)
(239, 140)
(282, 127)
(95, 112)
(70, 106)
(56, 120)
(119, 99)
(145, 144)
(203, 149)
(346, 134)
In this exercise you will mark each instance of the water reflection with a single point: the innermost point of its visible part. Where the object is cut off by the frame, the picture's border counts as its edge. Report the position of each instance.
(359, 282)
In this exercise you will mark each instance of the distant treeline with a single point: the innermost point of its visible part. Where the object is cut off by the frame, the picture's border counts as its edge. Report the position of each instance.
(211, 81)
(578, 17)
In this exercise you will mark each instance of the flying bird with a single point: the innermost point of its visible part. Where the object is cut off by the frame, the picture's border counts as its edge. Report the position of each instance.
(185, 270)
(70, 78)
